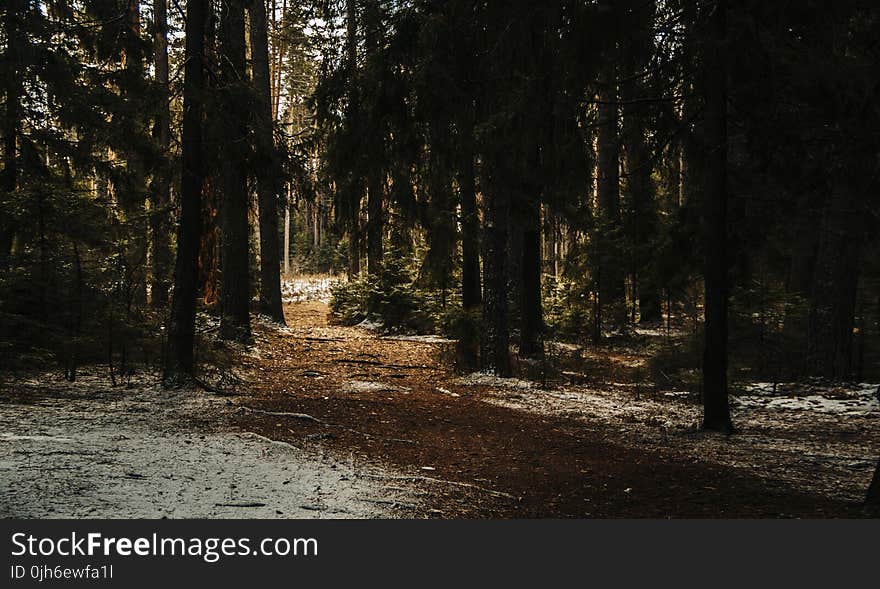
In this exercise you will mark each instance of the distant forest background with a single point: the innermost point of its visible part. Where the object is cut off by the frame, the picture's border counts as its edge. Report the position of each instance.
(505, 173)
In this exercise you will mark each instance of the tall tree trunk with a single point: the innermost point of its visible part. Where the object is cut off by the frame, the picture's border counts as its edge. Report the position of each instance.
(234, 270)
(12, 85)
(267, 174)
(352, 185)
(716, 409)
(179, 360)
(639, 164)
(133, 197)
(612, 292)
(161, 185)
(372, 19)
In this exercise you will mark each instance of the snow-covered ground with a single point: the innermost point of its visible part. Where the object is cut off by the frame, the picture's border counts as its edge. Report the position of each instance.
(86, 449)
(859, 399)
(298, 289)
(817, 439)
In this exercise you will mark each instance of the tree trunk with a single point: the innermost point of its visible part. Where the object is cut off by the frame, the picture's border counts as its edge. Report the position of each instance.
(716, 410)
(612, 292)
(496, 356)
(639, 165)
(375, 224)
(234, 271)
(267, 176)
(470, 229)
(287, 240)
(873, 496)
(835, 282)
(161, 185)
(179, 360)
(376, 176)
(532, 325)
(10, 130)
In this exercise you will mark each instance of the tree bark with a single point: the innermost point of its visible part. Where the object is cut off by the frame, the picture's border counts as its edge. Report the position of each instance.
(716, 409)
(267, 175)
(234, 259)
(161, 185)
(179, 360)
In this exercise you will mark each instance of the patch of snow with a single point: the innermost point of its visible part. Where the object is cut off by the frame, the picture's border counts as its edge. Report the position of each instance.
(424, 339)
(855, 400)
(299, 289)
(370, 324)
(85, 449)
(365, 386)
(490, 380)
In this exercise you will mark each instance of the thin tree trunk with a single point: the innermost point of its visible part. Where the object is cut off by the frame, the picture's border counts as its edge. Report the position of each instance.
(179, 360)
(267, 177)
(234, 262)
(12, 85)
(612, 293)
(287, 239)
(161, 185)
(470, 229)
(716, 409)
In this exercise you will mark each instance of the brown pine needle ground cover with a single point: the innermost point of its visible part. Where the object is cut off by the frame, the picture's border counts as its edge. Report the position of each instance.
(483, 447)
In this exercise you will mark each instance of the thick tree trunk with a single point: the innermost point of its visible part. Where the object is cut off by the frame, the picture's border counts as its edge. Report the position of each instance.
(531, 343)
(179, 359)
(267, 177)
(716, 409)
(496, 354)
(161, 186)
(835, 282)
(234, 271)
(12, 85)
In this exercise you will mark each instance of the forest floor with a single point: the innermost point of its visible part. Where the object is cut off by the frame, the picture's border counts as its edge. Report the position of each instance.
(480, 446)
(319, 420)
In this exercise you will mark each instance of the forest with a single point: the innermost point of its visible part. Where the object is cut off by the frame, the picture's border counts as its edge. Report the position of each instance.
(538, 257)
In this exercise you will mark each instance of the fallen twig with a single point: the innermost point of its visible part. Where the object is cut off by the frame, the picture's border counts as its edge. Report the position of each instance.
(443, 481)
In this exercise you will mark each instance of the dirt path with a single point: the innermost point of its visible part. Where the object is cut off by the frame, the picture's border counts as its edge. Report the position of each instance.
(482, 447)
(84, 449)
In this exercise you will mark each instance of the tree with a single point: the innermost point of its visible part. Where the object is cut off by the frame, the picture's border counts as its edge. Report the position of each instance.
(716, 409)
(266, 171)
(179, 359)
(161, 187)
(10, 128)
(234, 107)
